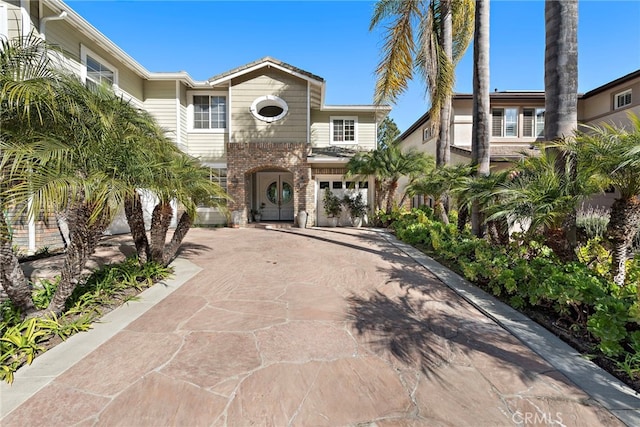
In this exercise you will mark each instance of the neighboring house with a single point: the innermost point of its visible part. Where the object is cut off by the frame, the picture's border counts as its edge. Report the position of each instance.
(262, 128)
(517, 121)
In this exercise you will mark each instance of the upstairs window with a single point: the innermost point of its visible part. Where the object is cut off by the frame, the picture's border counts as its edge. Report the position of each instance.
(99, 73)
(622, 99)
(96, 70)
(504, 122)
(533, 122)
(427, 133)
(344, 130)
(209, 112)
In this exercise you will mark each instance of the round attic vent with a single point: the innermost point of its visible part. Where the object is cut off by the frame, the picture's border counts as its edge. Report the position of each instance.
(269, 108)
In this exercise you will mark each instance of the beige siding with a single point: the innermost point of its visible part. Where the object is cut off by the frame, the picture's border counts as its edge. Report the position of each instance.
(161, 103)
(65, 36)
(599, 108)
(244, 90)
(14, 18)
(208, 147)
(320, 128)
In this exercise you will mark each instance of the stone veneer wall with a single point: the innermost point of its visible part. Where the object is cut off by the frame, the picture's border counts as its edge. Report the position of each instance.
(47, 233)
(244, 159)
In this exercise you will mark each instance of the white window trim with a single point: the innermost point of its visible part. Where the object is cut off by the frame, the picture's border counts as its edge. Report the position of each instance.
(84, 52)
(619, 95)
(355, 130)
(190, 95)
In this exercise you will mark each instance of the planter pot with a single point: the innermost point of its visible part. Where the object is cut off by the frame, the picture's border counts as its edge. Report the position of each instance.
(333, 221)
(356, 222)
(302, 219)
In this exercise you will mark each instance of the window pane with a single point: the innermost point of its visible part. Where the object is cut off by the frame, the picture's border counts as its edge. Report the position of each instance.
(496, 128)
(539, 122)
(363, 184)
(337, 185)
(324, 184)
(349, 130)
(338, 130)
(218, 112)
(511, 122)
(98, 72)
(201, 112)
(527, 121)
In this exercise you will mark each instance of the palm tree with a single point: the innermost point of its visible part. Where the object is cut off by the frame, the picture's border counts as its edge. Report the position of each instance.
(388, 166)
(27, 94)
(613, 155)
(539, 195)
(440, 181)
(561, 84)
(480, 134)
(443, 33)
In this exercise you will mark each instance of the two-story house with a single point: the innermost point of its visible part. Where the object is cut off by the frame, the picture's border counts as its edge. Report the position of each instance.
(263, 128)
(517, 121)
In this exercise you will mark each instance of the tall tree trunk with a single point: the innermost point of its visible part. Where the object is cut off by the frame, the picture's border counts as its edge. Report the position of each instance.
(443, 153)
(561, 68)
(391, 194)
(623, 225)
(85, 236)
(561, 90)
(135, 219)
(480, 135)
(12, 277)
(184, 224)
(443, 149)
(160, 221)
(463, 217)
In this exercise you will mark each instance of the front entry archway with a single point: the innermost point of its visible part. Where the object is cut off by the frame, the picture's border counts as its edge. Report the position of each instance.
(275, 195)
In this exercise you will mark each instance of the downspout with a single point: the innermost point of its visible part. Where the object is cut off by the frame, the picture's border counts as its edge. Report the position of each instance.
(43, 22)
(31, 249)
(308, 112)
(178, 117)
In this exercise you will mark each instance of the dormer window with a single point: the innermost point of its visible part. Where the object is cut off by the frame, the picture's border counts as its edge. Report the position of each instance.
(622, 99)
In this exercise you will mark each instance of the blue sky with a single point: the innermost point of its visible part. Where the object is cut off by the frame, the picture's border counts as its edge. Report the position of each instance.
(332, 39)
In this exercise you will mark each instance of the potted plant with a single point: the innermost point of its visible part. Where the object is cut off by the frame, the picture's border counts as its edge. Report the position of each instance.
(332, 207)
(357, 208)
(257, 213)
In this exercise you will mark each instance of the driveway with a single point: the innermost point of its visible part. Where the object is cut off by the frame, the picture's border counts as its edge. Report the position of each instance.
(320, 327)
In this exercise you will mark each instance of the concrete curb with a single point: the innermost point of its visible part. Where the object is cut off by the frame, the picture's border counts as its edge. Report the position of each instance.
(607, 390)
(29, 379)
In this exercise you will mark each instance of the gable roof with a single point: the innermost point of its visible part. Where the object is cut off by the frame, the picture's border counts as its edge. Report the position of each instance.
(612, 84)
(267, 61)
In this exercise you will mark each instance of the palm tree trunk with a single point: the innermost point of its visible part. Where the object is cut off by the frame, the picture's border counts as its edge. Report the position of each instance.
(481, 105)
(12, 277)
(160, 221)
(135, 219)
(184, 224)
(85, 235)
(391, 194)
(443, 153)
(561, 68)
(463, 217)
(624, 223)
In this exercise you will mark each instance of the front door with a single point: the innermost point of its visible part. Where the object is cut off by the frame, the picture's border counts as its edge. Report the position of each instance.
(276, 195)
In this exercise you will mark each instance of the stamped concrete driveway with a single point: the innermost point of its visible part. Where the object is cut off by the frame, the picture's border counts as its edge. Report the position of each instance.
(309, 328)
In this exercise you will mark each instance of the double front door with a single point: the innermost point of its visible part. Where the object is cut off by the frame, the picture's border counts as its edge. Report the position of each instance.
(275, 194)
